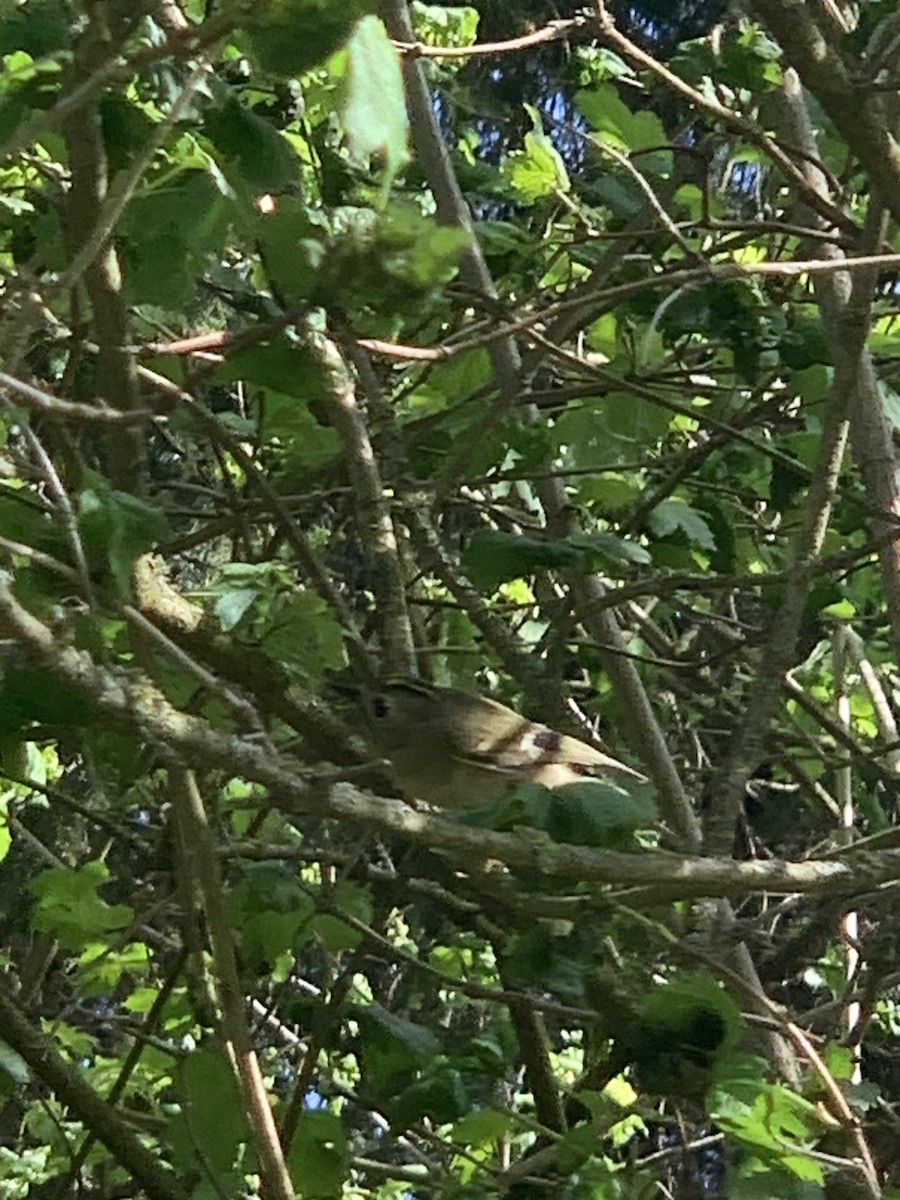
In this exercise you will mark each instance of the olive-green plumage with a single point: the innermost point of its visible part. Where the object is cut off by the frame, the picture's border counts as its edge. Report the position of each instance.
(456, 750)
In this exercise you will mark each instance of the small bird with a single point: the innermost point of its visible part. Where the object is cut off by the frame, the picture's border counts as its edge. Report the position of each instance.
(456, 750)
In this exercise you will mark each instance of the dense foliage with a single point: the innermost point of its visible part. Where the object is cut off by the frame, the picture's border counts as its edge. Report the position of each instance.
(338, 344)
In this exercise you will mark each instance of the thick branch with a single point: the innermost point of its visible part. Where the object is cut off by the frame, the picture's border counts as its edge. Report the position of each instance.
(845, 317)
(844, 301)
(855, 109)
(94, 1112)
(116, 380)
(373, 513)
(132, 702)
(536, 854)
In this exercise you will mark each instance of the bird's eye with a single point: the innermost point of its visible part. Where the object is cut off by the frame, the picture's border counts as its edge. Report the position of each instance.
(546, 739)
(380, 707)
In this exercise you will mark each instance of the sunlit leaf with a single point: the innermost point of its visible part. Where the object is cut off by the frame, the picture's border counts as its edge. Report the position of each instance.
(538, 171)
(69, 906)
(375, 113)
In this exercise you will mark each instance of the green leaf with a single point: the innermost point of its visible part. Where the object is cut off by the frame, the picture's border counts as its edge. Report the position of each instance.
(415, 250)
(271, 913)
(597, 812)
(576, 1147)
(674, 516)
(393, 1047)
(23, 520)
(168, 234)
(292, 377)
(31, 695)
(307, 444)
(538, 171)
(600, 813)
(753, 1179)
(305, 636)
(290, 36)
(375, 113)
(609, 547)
(211, 1118)
(126, 129)
(390, 264)
(482, 1127)
(541, 959)
(292, 239)
(803, 345)
(813, 383)
(723, 557)
(440, 1096)
(611, 490)
(13, 1064)
(786, 484)
(252, 147)
(117, 528)
(319, 1159)
(419, 1040)
(686, 1030)
(459, 376)
(37, 28)
(102, 967)
(439, 25)
(232, 606)
(744, 59)
(767, 1116)
(278, 366)
(393, 1050)
(608, 427)
(493, 557)
(616, 123)
(336, 934)
(68, 905)
(840, 1060)
(266, 934)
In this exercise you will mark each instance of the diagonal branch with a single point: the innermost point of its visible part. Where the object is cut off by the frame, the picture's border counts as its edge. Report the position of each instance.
(855, 109)
(94, 1112)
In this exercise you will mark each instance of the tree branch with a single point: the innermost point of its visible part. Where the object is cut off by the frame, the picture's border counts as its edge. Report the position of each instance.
(857, 113)
(92, 1109)
(235, 1031)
